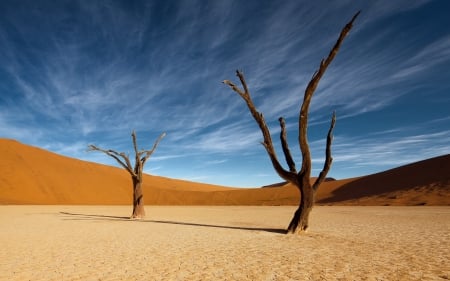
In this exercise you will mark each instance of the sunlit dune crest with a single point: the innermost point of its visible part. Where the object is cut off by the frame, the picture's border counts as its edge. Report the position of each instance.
(31, 175)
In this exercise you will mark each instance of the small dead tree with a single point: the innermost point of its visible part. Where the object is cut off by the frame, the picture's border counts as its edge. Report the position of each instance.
(301, 179)
(141, 157)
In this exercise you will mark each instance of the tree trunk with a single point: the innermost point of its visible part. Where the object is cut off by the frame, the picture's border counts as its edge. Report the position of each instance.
(300, 221)
(138, 199)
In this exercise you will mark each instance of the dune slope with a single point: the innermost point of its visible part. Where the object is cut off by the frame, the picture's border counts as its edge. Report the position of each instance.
(422, 183)
(30, 175)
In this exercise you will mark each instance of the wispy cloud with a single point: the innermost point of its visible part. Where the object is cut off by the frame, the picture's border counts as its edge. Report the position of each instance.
(215, 162)
(236, 137)
(388, 150)
(435, 53)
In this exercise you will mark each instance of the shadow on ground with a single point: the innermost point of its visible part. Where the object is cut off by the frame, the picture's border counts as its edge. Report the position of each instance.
(76, 216)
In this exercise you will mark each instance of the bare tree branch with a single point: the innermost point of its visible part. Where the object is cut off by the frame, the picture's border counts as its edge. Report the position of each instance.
(136, 153)
(133, 136)
(309, 92)
(285, 146)
(115, 155)
(148, 153)
(259, 118)
(127, 160)
(328, 158)
(234, 88)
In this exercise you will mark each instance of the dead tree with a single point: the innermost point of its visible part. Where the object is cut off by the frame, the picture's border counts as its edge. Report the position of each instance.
(301, 179)
(141, 157)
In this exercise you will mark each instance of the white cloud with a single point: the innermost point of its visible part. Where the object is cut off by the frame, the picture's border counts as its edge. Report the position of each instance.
(435, 53)
(390, 150)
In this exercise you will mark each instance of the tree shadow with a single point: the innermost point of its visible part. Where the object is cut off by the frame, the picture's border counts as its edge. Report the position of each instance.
(271, 230)
(77, 216)
(93, 217)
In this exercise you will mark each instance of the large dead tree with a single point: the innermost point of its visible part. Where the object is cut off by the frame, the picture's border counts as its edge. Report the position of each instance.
(123, 159)
(300, 179)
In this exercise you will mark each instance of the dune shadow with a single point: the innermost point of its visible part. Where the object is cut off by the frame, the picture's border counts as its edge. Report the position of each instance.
(77, 216)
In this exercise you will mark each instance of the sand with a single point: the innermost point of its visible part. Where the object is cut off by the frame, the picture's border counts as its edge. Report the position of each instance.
(223, 243)
(31, 175)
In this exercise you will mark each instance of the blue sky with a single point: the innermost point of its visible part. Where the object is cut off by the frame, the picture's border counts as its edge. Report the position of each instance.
(74, 73)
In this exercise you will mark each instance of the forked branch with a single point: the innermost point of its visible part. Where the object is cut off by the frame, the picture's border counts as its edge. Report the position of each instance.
(285, 146)
(259, 118)
(328, 158)
(124, 160)
(115, 155)
(309, 92)
(148, 153)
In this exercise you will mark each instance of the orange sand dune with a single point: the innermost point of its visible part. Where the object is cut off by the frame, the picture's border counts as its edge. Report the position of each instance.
(30, 175)
(422, 183)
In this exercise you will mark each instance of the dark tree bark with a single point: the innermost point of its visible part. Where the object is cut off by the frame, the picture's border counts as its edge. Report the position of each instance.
(138, 199)
(300, 179)
(141, 157)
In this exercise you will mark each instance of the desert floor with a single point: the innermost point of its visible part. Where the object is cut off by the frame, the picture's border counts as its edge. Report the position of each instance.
(223, 243)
